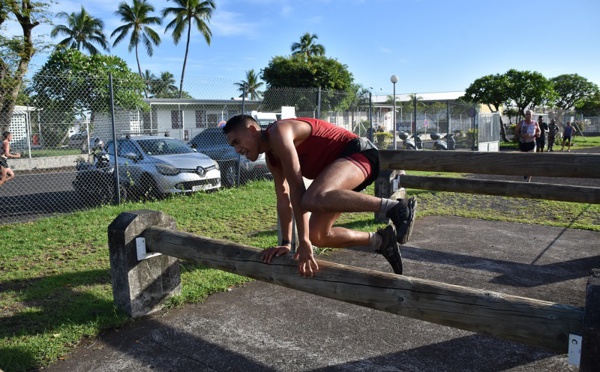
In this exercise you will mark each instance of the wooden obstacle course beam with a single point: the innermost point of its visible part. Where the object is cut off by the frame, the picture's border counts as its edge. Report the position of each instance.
(590, 348)
(545, 164)
(541, 323)
(531, 190)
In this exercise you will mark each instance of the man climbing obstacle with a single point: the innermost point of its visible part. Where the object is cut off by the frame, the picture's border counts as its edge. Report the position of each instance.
(341, 164)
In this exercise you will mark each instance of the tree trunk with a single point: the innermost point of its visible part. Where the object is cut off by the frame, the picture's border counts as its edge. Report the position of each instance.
(9, 97)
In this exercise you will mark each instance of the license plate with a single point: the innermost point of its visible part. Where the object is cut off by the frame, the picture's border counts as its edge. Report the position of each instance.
(199, 187)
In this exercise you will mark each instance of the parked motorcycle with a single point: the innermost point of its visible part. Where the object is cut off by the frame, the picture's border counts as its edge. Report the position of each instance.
(95, 181)
(409, 142)
(439, 142)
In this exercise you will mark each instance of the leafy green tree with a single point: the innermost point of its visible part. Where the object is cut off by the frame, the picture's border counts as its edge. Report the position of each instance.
(16, 53)
(187, 13)
(251, 85)
(527, 89)
(307, 47)
(490, 90)
(82, 30)
(71, 82)
(137, 20)
(572, 90)
(590, 106)
(318, 72)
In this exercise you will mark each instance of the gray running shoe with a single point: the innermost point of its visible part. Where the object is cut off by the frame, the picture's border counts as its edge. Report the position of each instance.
(403, 218)
(390, 249)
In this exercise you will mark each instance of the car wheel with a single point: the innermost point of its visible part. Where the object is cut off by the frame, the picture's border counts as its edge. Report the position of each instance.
(149, 188)
(123, 193)
(229, 174)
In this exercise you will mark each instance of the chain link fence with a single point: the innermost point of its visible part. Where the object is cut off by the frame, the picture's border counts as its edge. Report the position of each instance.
(82, 146)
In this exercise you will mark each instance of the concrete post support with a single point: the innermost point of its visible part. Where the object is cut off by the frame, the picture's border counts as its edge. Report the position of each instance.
(140, 287)
(590, 340)
(384, 188)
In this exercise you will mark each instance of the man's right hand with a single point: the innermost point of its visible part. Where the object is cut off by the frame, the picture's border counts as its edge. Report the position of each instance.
(307, 264)
(268, 254)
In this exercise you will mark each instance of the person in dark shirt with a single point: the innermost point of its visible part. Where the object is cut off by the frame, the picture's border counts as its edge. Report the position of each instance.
(552, 132)
(540, 141)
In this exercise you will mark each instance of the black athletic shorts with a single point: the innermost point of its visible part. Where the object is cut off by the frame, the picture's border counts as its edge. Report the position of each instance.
(526, 146)
(369, 150)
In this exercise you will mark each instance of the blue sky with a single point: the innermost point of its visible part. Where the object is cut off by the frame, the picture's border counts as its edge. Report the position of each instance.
(431, 45)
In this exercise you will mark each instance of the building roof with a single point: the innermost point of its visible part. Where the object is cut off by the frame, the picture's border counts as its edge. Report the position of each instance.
(22, 110)
(425, 97)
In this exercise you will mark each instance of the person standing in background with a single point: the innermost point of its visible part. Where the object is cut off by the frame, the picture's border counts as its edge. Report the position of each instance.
(552, 132)
(567, 136)
(540, 141)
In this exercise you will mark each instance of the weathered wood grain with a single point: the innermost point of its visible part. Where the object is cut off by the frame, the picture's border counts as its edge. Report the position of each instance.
(555, 164)
(541, 323)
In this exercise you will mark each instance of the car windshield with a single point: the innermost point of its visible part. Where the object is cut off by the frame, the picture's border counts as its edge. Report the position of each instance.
(164, 146)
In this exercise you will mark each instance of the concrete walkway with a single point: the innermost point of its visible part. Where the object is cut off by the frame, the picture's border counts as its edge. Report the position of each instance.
(264, 327)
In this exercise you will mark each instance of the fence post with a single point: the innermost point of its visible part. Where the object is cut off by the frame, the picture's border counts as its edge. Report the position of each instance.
(384, 188)
(590, 341)
(140, 286)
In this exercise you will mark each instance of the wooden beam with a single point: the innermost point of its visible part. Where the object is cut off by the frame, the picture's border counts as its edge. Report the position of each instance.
(541, 323)
(532, 190)
(590, 348)
(545, 164)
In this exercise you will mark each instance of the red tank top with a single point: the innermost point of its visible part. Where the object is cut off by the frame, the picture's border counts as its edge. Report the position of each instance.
(321, 148)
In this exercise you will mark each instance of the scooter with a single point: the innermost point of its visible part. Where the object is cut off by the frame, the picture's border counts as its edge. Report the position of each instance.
(94, 182)
(409, 142)
(439, 142)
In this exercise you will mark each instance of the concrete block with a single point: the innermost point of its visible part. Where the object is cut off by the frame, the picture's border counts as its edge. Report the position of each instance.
(140, 287)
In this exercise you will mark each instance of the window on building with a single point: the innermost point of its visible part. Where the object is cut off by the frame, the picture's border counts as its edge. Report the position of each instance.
(200, 118)
(175, 119)
(212, 120)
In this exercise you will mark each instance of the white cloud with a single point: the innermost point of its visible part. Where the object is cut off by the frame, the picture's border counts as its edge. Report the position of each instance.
(229, 23)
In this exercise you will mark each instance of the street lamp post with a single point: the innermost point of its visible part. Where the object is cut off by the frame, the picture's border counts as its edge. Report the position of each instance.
(394, 80)
(370, 116)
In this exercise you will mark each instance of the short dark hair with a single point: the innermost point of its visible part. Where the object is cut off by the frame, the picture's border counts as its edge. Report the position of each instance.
(5, 134)
(237, 121)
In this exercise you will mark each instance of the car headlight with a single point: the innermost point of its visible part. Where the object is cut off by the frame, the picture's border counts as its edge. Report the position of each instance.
(166, 169)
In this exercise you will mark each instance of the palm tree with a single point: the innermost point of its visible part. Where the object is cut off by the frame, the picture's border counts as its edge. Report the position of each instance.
(187, 13)
(82, 30)
(165, 86)
(150, 80)
(137, 20)
(308, 46)
(250, 85)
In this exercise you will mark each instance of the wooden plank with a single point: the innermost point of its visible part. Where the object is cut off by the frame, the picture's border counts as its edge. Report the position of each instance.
(532, 190)
(545, 164)
(541, 323)
(590, 348)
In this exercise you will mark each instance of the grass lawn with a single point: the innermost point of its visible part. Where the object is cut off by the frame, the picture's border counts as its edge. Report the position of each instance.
(55, 287)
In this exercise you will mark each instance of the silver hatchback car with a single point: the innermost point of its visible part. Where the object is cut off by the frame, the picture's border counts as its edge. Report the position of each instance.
(155, 166)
